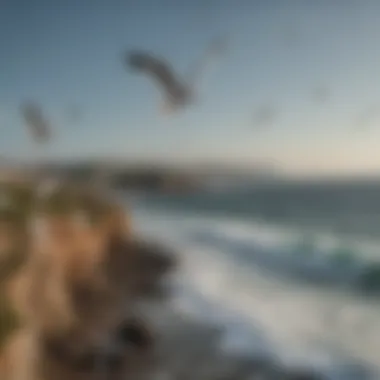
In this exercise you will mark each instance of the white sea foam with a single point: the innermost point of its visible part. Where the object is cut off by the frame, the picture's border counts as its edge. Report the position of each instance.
(259, 310)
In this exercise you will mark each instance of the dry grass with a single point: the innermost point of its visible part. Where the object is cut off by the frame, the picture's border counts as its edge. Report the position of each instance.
(17, 204)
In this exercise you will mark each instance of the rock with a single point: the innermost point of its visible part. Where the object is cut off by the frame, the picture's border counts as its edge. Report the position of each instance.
(369, 281)
(156, 262)
(301, 374)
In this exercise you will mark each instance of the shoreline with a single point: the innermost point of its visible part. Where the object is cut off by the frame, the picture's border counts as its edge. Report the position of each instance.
(193, 349)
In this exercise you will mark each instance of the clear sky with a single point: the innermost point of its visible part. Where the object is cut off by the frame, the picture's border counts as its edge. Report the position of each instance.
(65, 53)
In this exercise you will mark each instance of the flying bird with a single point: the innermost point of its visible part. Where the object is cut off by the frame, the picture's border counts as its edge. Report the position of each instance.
(74, 113)
(368, 117)
(178, 92)
(321, 94)
(38, 126)
(265, 115)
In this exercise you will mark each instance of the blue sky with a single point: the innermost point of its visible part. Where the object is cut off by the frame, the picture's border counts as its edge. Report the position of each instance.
(68, 52)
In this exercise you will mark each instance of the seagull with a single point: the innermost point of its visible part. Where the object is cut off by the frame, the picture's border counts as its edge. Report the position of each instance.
(74, 113)
(321, 94)
(368, 117)
(37, 124)
(265, 115)
(178, 92)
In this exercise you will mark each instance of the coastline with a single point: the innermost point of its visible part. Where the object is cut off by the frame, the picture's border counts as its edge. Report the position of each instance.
(192, 348)
(189, 348)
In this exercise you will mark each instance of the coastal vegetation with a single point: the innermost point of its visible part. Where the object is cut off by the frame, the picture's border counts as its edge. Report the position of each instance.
(19, 204)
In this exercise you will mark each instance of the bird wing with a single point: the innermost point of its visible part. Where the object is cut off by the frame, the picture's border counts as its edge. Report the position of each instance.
(156, 68)
(265, 115)
(35, 121)
(74, 113)
(213, 50)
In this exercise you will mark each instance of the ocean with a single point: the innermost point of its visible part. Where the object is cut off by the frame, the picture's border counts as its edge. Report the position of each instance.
(291, 273)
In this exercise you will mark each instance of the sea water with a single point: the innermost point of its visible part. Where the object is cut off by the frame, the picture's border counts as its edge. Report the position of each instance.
(277, 289)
